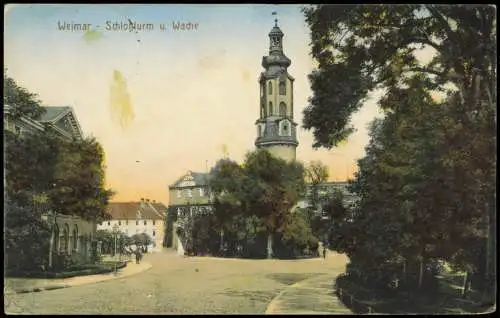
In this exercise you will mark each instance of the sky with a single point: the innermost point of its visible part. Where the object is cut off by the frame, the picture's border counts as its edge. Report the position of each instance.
(182, 94)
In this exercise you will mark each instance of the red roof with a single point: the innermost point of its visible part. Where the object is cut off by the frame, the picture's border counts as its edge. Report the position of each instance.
(129, 211)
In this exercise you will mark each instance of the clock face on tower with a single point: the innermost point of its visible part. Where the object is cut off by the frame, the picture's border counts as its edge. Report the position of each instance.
(276, 41)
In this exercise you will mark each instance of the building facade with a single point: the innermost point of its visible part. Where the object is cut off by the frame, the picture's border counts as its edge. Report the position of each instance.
(71, 234)
(326, 191)
(276, 130)
(138, 217)
(188, 196)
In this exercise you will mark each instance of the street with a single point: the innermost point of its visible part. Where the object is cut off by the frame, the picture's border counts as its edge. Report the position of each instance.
(178, 285)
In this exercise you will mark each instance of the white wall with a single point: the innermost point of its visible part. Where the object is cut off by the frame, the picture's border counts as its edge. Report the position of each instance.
(130, 227)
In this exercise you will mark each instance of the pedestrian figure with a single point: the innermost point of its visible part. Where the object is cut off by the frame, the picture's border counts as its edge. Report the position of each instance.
(324, 252)
(136, 257)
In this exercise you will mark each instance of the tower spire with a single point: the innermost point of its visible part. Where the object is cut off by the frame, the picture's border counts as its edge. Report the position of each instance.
(275, 19)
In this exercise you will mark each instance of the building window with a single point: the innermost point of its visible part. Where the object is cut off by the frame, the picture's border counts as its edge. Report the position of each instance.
(109, 222)
(202, 192)
(282, 109)
(126, 222)
(189, 193)
(136, 222)
(270, 112)
(145, 222)
(120, 223)
(179, 193)
(154, 233)
(282, 87)
(270, 88)
(154, 222)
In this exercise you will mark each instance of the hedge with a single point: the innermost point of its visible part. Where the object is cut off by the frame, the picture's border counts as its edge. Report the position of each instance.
(73, 271)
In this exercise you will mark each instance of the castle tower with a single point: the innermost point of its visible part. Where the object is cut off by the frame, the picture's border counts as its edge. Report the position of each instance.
(276, 130)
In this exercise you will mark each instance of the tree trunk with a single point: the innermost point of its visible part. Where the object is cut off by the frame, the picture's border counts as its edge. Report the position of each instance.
(52, 242)
(51, 248)
(420, 273)
(221, 240)
(269, 246)
(488, 296)
(465, 285)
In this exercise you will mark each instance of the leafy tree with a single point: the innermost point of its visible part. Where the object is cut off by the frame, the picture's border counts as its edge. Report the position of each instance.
(44, 171)
(142, 241)
(264, 187)
(296, 237)
(425, 156)
(26, 237)
(316, 173)
(107, 240)
(21, 101)
(361, 47)
(80, 180)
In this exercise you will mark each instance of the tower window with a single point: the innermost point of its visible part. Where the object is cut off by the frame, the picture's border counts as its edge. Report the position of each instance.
(270, 112)
(282, 87)
(282, 109)
(270, 88)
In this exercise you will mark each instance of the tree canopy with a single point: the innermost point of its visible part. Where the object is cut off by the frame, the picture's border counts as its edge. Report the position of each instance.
(360, 48)
(262, 190)
(426, 184)
(23, 102)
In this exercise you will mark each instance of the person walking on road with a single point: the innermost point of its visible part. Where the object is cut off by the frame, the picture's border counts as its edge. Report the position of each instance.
(324, 252)
(138, 256)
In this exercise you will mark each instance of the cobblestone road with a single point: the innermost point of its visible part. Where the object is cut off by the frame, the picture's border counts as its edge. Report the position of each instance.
(176, 285)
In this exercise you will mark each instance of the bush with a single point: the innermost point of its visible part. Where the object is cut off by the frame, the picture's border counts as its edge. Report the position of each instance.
(73, 271)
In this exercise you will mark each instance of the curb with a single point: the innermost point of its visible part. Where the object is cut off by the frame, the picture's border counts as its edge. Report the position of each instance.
(36, 289)
(275, 300)
(54, 287)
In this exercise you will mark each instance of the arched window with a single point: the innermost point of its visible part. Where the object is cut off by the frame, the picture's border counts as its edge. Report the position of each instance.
(270, 88)
(75, 237)
(282, 87)
(282, 109)
(262, 111)
(270, 112)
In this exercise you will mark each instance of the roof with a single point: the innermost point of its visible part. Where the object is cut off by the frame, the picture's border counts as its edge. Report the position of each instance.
(196, 179)
(128, 211)
(53, 112)
(160, 207)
